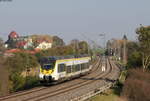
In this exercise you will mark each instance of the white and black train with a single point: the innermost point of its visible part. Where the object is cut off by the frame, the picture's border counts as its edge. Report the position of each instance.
(54, 68)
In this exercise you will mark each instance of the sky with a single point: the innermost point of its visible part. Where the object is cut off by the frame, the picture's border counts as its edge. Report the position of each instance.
(74, 19)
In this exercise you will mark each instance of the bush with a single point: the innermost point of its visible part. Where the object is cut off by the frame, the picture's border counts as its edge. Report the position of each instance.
(17, 82)
(22, 83)
(134, 60)
(17, 64)
(31, 81)
(117, 89)
(20, 62)
(137, 86)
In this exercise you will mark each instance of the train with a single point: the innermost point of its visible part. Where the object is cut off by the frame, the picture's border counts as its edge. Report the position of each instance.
(61, 68)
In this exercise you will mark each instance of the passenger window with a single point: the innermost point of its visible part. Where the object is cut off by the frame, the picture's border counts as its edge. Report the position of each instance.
(61, 68)
(78, 67)
(68, 69)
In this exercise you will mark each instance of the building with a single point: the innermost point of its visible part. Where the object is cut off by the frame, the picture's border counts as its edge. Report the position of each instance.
(13, 35)
(24, 42)
(117, 48)
(37, 42)
(44, 45)
(16, 41)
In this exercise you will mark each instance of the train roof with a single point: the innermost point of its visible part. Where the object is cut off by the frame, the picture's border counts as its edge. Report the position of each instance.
(53, 58)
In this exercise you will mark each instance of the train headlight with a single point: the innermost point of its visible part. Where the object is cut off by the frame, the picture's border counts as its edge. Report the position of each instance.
(41, 76)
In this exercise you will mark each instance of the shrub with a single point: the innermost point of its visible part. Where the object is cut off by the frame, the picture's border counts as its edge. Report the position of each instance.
(20, 62)
(136, 87)
(17, 82)
(22, 83)
(17, 64)
(31, 81)
(134, 60)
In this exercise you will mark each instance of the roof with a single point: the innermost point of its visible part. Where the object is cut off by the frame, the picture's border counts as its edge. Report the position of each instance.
(54, 58)
(13, 34)
(43, 40)
(18, 50)
(21, 43)
(13, 51)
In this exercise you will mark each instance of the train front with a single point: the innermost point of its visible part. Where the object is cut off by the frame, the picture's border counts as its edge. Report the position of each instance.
(46, 70)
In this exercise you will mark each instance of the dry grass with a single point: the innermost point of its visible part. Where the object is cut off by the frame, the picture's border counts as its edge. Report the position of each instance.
(137, 86)
(121, 99)
(4, 83)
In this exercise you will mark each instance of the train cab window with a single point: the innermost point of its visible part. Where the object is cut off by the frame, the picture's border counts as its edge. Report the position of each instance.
(48, 66)
(61, 68)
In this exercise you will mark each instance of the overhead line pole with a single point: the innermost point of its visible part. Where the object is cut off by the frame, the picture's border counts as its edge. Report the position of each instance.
(104, 38)
(93, 42)
(88, 43)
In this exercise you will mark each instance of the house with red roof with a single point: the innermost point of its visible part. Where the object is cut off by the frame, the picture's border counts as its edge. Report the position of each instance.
(16, 41)
(37, 42)
(13, 35)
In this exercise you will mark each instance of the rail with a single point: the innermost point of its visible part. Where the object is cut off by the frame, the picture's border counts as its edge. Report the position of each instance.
(107, 85)
(94, 92)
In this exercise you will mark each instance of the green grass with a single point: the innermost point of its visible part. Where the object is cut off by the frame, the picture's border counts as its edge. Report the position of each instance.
(108, 95)
(123, 76)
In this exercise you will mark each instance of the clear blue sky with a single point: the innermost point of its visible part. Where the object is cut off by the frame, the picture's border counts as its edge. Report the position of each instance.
(71, 18)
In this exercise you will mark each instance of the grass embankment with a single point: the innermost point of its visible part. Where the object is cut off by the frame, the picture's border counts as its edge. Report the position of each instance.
(112, 94)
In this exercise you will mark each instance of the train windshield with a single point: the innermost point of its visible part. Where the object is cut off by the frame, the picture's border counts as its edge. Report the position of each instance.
(48, 66)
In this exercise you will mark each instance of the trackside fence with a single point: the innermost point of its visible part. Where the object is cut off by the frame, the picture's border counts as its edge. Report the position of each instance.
(94, 92)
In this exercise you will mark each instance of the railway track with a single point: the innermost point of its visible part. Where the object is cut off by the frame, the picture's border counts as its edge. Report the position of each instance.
(64, 89)
(72, 87)
(13, 97)
(57, 92)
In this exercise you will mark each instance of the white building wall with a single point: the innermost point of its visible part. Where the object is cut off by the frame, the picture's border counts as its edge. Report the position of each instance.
(44, 45)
